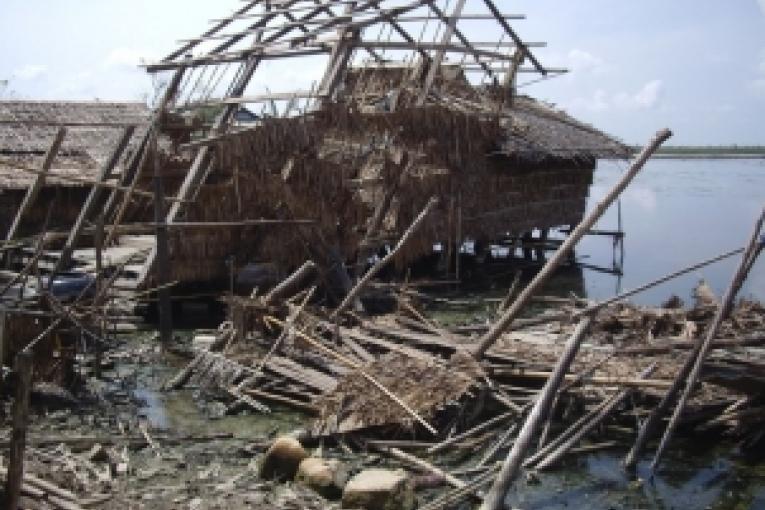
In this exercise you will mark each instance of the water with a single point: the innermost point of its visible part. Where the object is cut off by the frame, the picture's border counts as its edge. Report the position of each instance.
(676, 213)
(701, 480)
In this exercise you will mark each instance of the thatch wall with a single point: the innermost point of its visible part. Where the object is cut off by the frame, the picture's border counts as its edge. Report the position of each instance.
(66, 203)
(53, 355)
(334, 167)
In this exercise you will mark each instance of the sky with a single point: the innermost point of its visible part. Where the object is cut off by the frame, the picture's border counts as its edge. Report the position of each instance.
(695, 66)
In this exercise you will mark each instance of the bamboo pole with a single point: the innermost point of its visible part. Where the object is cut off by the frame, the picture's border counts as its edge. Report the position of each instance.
(650, 424)
(624, 295)
(469, 433)
(753, 249)
(574, 435)
(291, 283)
(413, 228)
(162, 276)
(494, 500)
(563, 251)
(420, 464)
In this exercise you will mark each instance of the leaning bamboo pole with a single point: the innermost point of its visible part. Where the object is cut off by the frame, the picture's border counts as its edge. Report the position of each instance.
(494, 500)
(563, 251)
(413, 228)
(753, 249)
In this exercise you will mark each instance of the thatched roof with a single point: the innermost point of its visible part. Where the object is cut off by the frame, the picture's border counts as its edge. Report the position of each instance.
(27, 129)
(535, 134)
(542, 135)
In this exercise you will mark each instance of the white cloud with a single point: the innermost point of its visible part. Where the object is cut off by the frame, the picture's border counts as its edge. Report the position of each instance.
(30, 72)
(762, 5)
(126, 57)
(646, 98)
(583, 61)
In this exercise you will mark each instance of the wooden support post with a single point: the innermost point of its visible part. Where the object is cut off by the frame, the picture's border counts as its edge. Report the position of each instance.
(163, 258)
(200, 167)
(458, 239)
(494, 500)
(560, 255)
(91, 202)
(98, 241)
(435, 64)
(37, 185)
(511, 78)
(3, 349)
(23, 369)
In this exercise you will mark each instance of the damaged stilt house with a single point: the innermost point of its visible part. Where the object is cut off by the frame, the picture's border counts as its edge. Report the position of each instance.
(401, 105)
(406, 136)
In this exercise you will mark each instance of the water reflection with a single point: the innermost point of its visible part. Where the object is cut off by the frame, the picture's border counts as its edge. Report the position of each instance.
(676, 213)
(700, 481)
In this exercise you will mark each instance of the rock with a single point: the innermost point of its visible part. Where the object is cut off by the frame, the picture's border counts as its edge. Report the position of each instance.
(379, 489)
(327, 477)
(282, 459)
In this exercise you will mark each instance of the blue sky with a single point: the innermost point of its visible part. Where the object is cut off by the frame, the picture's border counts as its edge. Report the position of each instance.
(696, 66)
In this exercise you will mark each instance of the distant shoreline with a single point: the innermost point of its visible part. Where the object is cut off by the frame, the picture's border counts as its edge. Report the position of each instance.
(660, 155)
(709, 152)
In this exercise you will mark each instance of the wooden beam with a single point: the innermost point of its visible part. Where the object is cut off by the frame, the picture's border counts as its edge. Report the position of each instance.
(441, 47)
(92, 200)
(435, 65)
(190, 44)
(34, 189)
(514, 36)
(396, 23)
(338, 61)
(458, 33)
(288, 10)
(268, 16)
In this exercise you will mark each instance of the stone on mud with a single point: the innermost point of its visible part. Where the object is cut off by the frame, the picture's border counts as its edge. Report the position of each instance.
(282, 459)
(379, 489)
(325, 476)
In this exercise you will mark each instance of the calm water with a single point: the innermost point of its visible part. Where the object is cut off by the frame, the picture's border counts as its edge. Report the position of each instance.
(676, 213)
